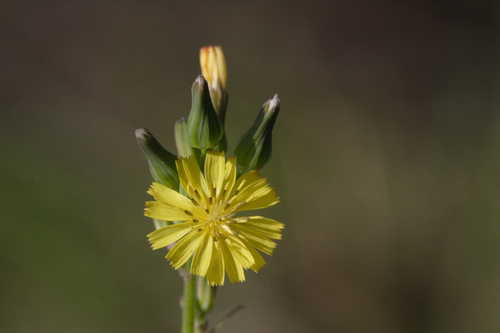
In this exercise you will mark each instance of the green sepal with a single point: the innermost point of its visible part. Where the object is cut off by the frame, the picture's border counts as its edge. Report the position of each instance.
(222, 146)
(160, 161)
(221, 108)
(182, 141)
(255, 147)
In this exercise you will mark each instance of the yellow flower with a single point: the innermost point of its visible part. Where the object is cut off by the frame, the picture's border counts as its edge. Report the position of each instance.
(207, 231)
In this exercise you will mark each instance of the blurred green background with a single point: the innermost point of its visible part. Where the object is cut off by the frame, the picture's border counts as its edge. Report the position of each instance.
(386, 157)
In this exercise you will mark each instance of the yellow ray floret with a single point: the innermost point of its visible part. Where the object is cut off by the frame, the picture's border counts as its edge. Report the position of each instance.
(206, 231)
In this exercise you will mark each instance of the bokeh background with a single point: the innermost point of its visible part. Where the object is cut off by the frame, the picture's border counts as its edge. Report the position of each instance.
(386, 157)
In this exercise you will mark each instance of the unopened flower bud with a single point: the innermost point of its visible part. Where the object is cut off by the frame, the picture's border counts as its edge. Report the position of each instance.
(205, 130)
(254, 149)
(160, 161)
(214, 70)
(213, 65)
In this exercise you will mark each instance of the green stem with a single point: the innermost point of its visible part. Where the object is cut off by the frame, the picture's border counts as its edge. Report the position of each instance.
(189, 303)
(206, 299)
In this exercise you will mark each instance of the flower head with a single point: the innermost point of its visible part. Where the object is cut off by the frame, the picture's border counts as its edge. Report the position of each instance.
(207, 230)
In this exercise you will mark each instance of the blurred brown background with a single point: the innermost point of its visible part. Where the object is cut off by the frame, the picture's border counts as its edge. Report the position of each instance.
(387, 153)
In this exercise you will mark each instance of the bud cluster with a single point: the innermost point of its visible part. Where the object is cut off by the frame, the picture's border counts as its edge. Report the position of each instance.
(203, 130)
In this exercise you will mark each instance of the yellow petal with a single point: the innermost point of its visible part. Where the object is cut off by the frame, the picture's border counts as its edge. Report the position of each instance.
(255, 239)
(203, 255)
(240, 252)
(164, 212)
(230, 177)
(169, 234)
(258, 260)
(215, 274)
(166, 195)
(233, 268)
(261, 198)
(191, 178)
(261, 222)
(215, 167)
(245, 189)
(255, 230)
(242, 192)
(255, 194)
(183, 180)
(183, 250)
(246, 179)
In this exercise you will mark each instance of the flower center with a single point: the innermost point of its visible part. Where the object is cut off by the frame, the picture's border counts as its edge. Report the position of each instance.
(218, 225)
(217, 218)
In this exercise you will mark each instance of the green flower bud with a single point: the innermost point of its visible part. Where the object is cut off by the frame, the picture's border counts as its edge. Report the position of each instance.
(254, 149)
(161, 162)
(204, 128)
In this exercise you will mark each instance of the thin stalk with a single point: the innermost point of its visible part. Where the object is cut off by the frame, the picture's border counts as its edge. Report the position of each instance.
(189, 304)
